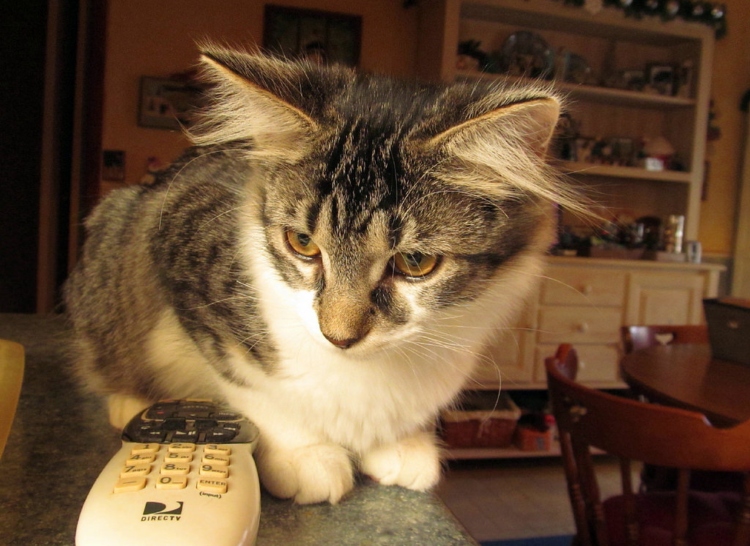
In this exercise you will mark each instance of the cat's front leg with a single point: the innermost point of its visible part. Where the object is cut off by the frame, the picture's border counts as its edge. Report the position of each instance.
(412, 462)
(308, 474)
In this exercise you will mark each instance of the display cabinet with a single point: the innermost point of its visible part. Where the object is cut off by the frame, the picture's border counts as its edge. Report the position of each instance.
(594, 60)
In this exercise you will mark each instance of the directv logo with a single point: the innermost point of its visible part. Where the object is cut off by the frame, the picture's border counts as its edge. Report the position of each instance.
(157, 511)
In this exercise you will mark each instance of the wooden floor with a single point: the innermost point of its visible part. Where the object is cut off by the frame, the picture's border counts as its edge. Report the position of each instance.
(505, 499)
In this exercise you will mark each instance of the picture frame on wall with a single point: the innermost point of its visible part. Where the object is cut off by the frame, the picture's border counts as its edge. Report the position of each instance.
(320, 36)
(167, 103)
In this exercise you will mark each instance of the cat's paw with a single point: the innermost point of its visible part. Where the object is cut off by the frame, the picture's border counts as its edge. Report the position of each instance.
(413, 462)
(123, 407)
(310, 474)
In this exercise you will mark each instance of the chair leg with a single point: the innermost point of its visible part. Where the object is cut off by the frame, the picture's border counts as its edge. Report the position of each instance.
(631, 520)
(681, 510)
(742, 537)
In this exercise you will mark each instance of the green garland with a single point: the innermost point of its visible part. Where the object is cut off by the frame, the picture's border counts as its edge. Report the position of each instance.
(697, 11)
(708, 13)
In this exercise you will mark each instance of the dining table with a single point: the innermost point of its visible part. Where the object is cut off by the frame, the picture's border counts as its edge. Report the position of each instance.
(689, 377)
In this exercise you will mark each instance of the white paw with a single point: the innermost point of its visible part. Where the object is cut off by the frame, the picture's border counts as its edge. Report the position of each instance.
(123, 407)
(413, 462)
(311, 474)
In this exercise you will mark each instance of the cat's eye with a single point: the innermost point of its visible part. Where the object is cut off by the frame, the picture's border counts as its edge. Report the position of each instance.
(302, 244)
(414, 264)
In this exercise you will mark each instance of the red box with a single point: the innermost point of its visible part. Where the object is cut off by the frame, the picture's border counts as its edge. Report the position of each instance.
(529, 438)
(485, 420)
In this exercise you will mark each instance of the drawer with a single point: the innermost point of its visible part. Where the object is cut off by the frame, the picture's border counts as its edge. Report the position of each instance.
(582, 286)
(579, 324)
(506, 360)
(597, 364)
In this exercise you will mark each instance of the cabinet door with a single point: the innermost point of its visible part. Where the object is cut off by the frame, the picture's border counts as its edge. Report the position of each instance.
(506, 361)
(665, 298)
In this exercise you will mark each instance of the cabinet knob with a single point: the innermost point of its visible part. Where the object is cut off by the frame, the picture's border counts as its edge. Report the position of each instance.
(586, 289)
(582, 327)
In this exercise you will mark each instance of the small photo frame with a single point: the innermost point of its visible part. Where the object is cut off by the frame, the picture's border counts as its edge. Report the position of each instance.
(168, 104)
(661, 79)
(113, 165)
(320, 36)
(623, 151)
(583, 148)
(633, 80)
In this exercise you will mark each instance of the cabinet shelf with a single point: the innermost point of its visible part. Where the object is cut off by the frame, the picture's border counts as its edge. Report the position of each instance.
(590, 169)
(605, 95)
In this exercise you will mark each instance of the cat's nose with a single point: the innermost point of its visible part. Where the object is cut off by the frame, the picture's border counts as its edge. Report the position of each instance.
(342, 343)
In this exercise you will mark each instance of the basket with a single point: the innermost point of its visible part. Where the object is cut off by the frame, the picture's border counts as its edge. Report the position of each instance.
(484, 420)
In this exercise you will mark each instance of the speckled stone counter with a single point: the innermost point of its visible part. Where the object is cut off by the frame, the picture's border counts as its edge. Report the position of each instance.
(61, 440)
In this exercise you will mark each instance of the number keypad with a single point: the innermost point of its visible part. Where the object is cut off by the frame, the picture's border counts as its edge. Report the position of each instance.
(176, 466)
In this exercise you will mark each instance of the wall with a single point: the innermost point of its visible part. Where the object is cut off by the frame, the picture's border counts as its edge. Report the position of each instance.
(731, 78)
(158, 38)
(147, 38)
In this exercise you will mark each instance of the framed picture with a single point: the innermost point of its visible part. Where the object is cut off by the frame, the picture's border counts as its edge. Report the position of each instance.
(633, 80)
(320, 36)
(623, 151)
(113, 165)
(661, 78)
(583, 149)
(168, 104)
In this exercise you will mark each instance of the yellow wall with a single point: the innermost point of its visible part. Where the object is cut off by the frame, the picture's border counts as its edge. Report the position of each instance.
(731, 78)
(147, 38)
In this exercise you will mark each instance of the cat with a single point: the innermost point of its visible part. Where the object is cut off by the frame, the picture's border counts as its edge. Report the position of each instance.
(328, 258)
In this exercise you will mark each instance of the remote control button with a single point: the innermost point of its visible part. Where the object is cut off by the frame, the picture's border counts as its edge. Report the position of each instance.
(185, 436)
(124, 485)
(212, 486)
(214, 471)
(181, 448)
(178, 457)
(160, 411)
(174, 424)
(220, 435)
(139, 449)
(171, 482)
(194, 411)
(227, 416)
(205, 424)
(174, 469)
(140, 458)
(148, 433)
(219, 460)
(218, 449)
(135, 470)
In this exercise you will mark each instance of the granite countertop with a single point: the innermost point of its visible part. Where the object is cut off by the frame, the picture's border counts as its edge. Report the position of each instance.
(60, 441)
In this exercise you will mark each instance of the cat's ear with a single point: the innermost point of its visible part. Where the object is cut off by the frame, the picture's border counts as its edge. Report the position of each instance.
(528, 125)
(249, 104)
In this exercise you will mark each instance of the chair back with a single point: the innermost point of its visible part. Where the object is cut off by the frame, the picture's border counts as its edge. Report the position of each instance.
(633, 430)
(635, 338)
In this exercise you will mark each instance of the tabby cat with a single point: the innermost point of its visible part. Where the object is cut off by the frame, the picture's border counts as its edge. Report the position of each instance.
(328, 259)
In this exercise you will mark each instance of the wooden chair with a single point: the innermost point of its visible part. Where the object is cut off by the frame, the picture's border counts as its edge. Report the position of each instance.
(635, 338)
(636, 431)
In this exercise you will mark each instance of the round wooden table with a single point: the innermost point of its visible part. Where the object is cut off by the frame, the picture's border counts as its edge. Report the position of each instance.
(686, 376)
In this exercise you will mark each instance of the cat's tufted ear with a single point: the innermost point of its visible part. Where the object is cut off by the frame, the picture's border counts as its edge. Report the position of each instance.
(527, 125)
(254, 98)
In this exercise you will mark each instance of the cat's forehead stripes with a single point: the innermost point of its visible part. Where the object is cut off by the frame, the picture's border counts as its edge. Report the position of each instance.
(363, 170)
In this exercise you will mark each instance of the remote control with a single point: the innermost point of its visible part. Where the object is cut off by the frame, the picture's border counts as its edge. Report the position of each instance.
(184, 475)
